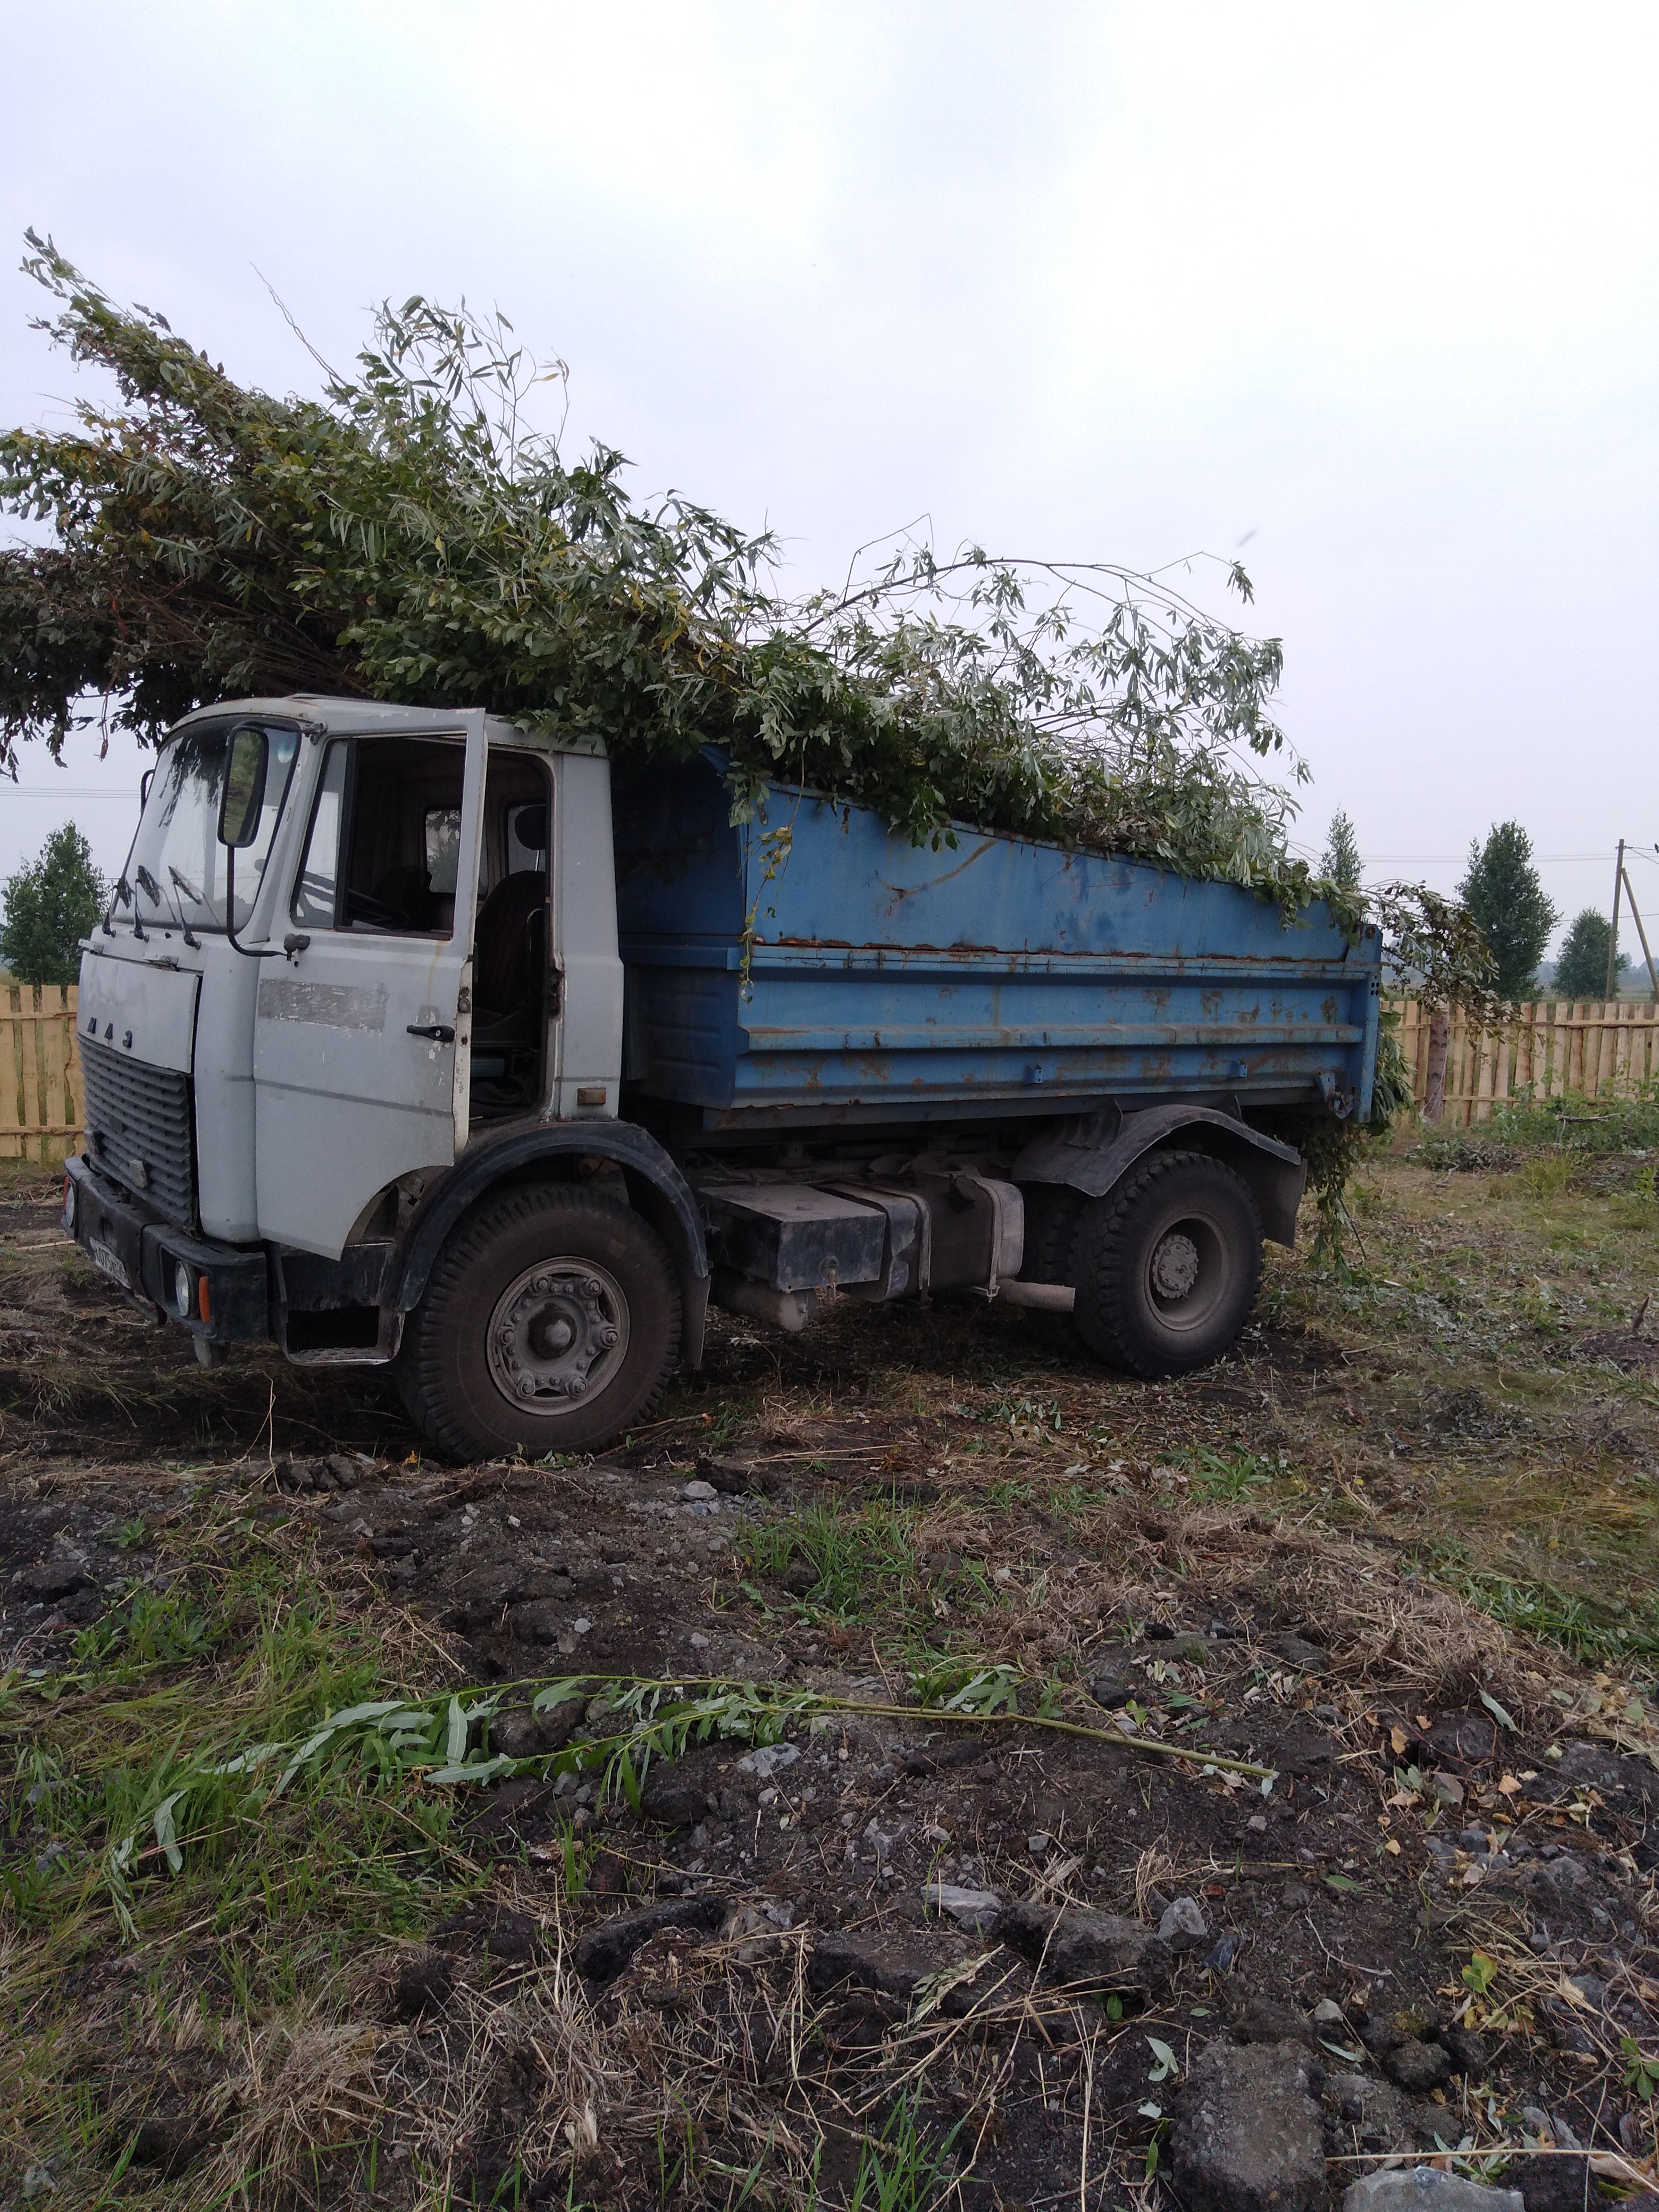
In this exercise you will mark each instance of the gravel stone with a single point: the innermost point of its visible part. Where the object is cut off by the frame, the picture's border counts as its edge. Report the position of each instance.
(1182, 1925)
(1407, 2188)
(973, 1910)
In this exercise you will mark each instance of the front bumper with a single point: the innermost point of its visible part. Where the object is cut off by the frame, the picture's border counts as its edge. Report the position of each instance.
(142, 1253)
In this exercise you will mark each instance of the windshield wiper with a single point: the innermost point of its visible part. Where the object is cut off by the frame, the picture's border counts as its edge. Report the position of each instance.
(191, 892)
(152, 889)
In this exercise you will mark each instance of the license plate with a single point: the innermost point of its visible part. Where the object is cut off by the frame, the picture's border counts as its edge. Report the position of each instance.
(109, 1262)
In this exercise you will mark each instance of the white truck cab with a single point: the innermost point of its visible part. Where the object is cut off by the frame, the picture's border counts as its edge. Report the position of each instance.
(355, 948)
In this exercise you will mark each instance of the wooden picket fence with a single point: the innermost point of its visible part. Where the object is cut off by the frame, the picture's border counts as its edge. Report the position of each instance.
(1588, 1047)
(40, 1100)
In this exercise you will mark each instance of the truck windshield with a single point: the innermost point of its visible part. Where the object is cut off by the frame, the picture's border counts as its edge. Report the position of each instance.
(176, 873)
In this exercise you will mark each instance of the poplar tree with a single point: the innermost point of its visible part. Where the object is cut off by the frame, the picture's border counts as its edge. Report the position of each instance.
(1581, 972)
(1507, 905)
(1341, 863)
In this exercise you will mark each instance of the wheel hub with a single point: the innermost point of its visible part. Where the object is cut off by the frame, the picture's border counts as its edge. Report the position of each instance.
(1175, 1265)
(558, 1332)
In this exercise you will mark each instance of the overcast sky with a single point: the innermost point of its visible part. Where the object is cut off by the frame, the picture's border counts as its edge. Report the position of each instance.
(1368, 292)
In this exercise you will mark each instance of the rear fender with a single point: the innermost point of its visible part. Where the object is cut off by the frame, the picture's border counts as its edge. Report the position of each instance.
(1094, 1151)
(656, 1189)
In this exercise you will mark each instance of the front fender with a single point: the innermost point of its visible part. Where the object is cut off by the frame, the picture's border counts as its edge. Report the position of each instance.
(1094, 1151)
(654, 1183)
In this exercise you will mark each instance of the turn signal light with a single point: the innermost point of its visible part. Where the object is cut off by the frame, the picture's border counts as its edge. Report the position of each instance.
(204, 1300)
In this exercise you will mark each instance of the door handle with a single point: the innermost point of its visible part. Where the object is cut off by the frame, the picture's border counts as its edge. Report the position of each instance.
(440, 1032)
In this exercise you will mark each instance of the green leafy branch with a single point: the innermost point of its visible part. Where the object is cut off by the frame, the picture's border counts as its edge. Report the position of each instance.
(444, 1742)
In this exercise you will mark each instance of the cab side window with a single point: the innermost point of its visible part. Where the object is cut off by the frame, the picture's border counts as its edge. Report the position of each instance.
(385, 835)
(317, 892)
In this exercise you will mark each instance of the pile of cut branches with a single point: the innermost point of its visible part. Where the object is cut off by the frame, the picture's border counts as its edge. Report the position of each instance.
(410, 536)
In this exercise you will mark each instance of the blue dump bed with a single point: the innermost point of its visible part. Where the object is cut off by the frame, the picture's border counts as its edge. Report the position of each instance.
(809, 967)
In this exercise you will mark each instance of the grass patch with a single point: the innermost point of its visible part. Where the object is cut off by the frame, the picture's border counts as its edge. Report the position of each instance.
(1607, 1634)
(238, 1909)
(861, 1560)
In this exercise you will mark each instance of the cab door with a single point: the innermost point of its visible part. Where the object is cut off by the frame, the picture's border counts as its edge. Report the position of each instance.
(362, 1033)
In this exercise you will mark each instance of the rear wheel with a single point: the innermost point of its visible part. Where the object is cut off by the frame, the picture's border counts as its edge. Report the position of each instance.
(1053, 1211)
(1167, 1265)
(552, 1324)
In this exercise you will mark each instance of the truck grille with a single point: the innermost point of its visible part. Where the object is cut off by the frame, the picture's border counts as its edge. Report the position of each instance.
(138, 1129)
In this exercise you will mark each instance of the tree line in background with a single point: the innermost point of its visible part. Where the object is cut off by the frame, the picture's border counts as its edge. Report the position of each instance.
(1508, 904)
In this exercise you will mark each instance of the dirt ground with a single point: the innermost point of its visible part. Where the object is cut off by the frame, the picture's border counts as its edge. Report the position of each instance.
(1338, 1661)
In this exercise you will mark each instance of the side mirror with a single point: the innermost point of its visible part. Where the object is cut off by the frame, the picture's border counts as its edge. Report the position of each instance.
(244, 797)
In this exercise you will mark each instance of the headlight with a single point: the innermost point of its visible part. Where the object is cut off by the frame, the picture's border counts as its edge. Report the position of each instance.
(184, 1291)
(69, 1206)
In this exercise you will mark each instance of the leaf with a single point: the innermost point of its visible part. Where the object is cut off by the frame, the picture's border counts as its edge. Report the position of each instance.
(1398, 1739)
(1480, 1972)
(167, 1834)
(455, 1742)
(1497, 1711)
(1166, 2067)
(1149, 2111)
(1344, 1883)
(472, 1770)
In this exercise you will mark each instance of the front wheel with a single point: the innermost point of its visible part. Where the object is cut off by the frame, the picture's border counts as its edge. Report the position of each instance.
(552, 1324)
(1167, 1265)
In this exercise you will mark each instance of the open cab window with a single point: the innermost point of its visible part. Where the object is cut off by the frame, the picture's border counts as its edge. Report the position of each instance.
(381, 859)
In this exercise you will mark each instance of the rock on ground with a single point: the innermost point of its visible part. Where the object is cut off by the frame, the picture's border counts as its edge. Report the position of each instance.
(1426, 2189)
(1247, 2136)
(1078, 1944)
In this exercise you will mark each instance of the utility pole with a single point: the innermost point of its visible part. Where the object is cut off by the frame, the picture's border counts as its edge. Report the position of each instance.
(1613, 934)
(1636, 916)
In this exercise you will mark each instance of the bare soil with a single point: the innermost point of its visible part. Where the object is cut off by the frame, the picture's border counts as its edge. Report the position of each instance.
(1399, 1552)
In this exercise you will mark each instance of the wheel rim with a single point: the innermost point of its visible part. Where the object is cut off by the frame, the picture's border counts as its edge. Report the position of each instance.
(557, 1336)
(1186, 1274)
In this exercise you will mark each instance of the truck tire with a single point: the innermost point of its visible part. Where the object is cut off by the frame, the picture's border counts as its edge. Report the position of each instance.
(552, 1324)
(1168, 1265)
(1053, 1211)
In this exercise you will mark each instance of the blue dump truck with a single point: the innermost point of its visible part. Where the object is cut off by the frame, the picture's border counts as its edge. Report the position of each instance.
(409, 1039)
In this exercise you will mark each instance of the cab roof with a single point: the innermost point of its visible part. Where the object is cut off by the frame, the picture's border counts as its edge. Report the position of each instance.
(344, 718)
